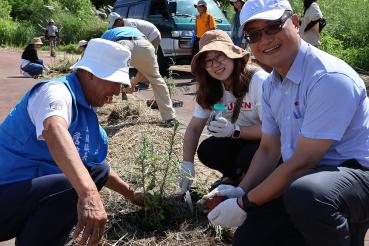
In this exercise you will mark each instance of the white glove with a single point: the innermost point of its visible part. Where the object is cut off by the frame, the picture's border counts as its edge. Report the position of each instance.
(228, 214)
(226, 190)
(221, 128)
(186, 176)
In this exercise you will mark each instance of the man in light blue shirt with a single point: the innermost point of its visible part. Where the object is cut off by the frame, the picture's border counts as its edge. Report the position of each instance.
(316, 112)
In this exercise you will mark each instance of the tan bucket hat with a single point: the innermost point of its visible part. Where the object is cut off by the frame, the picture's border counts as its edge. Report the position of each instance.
(217, 40)
(36, 41)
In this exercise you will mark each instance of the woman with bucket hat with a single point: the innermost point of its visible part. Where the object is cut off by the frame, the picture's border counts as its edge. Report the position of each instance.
(224, 77)
(31, 65)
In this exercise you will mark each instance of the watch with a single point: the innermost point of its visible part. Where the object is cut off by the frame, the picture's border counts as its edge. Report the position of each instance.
(237, 132)
(247, 205)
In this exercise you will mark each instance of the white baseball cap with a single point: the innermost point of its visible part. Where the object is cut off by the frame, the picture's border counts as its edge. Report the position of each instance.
(262, 10)
(113, 16)
(106, 60)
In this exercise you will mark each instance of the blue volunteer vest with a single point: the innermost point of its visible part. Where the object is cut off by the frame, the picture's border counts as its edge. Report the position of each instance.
(23, 157)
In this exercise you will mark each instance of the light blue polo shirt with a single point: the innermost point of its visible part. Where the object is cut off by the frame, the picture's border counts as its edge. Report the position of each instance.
(126, 31)
(321, 98)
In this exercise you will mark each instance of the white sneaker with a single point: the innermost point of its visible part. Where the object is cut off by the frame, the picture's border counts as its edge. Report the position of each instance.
(27, 75)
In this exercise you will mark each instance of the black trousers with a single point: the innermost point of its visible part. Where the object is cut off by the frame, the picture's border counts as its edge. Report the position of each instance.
(42, 211)
(231, 157)
(195, 46)
(329, 206)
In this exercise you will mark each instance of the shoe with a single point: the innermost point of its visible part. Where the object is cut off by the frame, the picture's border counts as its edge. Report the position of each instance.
(25, 74)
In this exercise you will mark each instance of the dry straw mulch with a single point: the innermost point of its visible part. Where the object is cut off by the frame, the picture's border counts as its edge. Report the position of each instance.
(126, 123)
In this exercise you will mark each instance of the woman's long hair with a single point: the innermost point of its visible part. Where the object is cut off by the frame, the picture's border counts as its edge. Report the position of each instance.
(307, 4)
(210, 91)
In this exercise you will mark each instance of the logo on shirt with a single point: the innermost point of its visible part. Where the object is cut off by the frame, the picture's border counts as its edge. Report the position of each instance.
(245, 106)
(56, 105)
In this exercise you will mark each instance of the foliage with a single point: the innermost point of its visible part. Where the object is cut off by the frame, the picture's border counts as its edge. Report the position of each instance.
(5, 9)
(16, 33)
(346, 34)
(153, 179)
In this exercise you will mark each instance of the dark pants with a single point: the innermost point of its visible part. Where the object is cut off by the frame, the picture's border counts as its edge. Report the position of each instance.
(195, 46)
(229, 156)
(42, 211)
(328, 205)
(34, 68)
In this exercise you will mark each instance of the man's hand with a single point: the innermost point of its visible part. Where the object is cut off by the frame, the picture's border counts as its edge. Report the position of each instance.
(227, 214)
(221, 128)
(225, 190)
(186, 176)
(91, 219)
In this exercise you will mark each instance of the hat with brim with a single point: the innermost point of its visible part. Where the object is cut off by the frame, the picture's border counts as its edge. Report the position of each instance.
(36, 41)
(200, 3)
(106, 60)
(82, 43)
(217, 40)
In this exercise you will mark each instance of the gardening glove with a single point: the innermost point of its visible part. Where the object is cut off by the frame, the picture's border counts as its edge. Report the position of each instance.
(186, 176)
(228, 214)
(220, 127)
(225, 190)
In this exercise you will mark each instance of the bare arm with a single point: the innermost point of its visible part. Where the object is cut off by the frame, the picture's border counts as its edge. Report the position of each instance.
(91, 212)
(307, 155)
(117, 184)
(191, 138)
(251, 132)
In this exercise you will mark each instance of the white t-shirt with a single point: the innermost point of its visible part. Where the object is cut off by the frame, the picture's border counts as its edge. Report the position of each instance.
(52, 30)
(147, 28)
(250, 113)
(50, 99)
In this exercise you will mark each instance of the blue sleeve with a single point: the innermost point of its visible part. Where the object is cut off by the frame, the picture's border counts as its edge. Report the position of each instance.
(330, 106)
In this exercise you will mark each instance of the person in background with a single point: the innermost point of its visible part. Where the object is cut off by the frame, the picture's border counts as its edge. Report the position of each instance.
(204, 23)
(82, 45)
(31, 65)
(316, 111)
(225, 77)
(236, 35)
(309, 29)
(144, 60)
(53, 153)
(150, 31)
(51, 34)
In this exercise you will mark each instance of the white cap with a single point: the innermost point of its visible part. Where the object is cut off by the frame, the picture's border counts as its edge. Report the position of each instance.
(106, 60)
(82, 43)
(113, 16)
(262, 10)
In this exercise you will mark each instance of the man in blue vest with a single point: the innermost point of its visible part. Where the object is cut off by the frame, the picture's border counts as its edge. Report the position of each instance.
(53, 151)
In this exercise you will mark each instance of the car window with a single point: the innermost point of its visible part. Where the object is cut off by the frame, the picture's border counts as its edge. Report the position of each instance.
(136, 11)
(184, 7)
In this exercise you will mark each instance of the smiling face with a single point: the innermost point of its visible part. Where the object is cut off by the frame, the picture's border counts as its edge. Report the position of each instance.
(97, 91)
(276, 50)
(222, 66)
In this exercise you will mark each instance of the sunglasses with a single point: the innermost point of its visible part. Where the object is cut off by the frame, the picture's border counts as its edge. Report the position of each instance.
(275, 27)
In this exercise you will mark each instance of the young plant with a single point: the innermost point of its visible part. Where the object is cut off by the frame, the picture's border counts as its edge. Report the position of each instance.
(156, 175)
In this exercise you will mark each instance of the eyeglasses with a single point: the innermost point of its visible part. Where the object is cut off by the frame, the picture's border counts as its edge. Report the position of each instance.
(277, 26)
(210, 62)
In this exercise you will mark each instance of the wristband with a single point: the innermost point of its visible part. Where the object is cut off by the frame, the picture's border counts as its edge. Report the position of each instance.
(247, 205)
